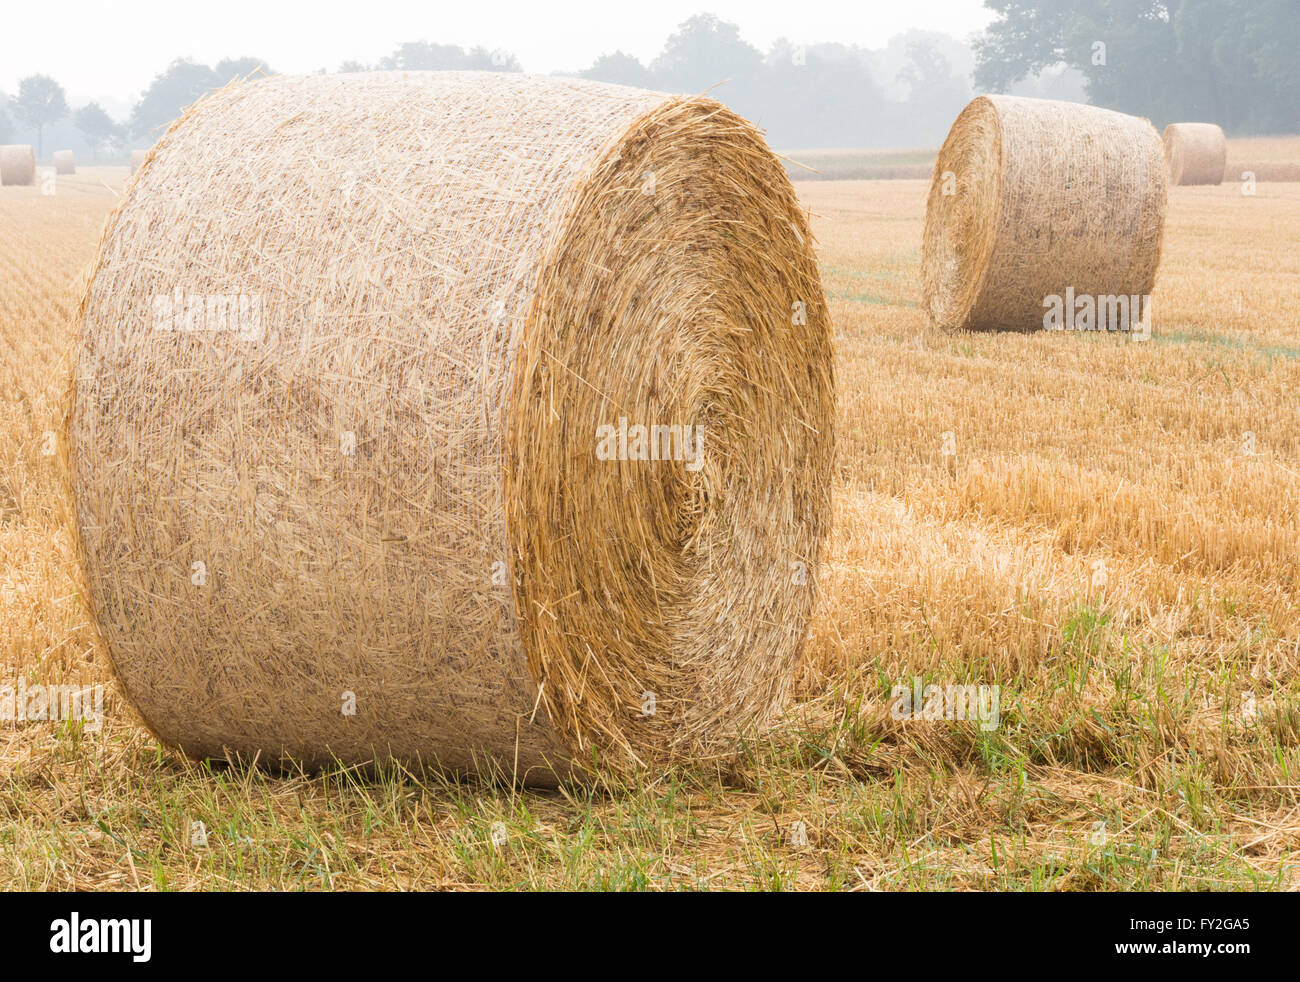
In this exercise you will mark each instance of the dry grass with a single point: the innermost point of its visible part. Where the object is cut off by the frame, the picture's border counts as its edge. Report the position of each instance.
(1099, 545)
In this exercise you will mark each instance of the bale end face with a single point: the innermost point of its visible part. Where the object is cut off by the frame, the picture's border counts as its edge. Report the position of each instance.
(962, 215)
(683, 583)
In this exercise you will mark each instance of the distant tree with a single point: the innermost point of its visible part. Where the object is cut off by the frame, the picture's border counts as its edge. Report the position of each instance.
(40, 102)
(1263, 57)
(704, 51)
(816, 97)
(229, 69)
(1227, 61)
(95, 126)
(1028, 36)
(353, 66)
(935, 94)
(1141, 69)
(928, 73)
(496, 60)
(6, 127)
(183, 82)
(424, 56)
(620, 68)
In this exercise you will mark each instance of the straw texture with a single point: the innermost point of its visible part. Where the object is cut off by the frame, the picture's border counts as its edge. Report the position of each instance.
(393, 482)
(1197, 153)
(64, 162)
(1046, 196)
(17, 164)
(137, 158)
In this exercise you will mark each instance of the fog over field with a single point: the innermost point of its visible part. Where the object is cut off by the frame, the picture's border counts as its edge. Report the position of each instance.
(871, 78)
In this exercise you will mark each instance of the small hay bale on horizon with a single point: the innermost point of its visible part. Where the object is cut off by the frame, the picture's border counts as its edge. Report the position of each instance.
(1197, 153)
(385, 527)
(64, 162)
(1031, 198)
(137, 158)
(17, 164)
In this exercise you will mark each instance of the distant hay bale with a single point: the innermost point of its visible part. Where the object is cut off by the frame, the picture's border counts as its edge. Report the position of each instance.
(17, 164)
(137, 158)
(1031, 198)
(64, 162)
(391, 499)
(1197, 153)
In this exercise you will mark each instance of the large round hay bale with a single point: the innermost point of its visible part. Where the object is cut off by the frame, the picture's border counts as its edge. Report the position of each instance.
(354, 437)
(1031, 198)
(64, 162)
(137, 158)
(17, 164)
(1197, 153)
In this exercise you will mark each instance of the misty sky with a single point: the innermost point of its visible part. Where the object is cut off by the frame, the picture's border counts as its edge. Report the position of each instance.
(109, 51)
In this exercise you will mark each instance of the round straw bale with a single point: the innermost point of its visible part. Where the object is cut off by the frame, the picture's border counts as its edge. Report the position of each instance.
(1031, 197)
(1197, 153)
(17, 164)
(64, 162)
(399, 506)
(137, 158)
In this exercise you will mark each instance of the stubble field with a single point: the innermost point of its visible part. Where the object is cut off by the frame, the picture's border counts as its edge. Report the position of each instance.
(1107, 530)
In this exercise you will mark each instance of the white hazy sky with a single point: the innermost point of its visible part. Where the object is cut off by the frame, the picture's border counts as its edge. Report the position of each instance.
(110, 49)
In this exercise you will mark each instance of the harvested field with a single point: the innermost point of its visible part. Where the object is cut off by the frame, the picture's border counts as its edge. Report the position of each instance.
(859, 165)
(1107, 530)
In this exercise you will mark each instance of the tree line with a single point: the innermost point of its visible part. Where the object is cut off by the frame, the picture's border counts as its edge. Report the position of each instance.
(819, 95)
(1227, 61)
(1231, 62)
(41, 102)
